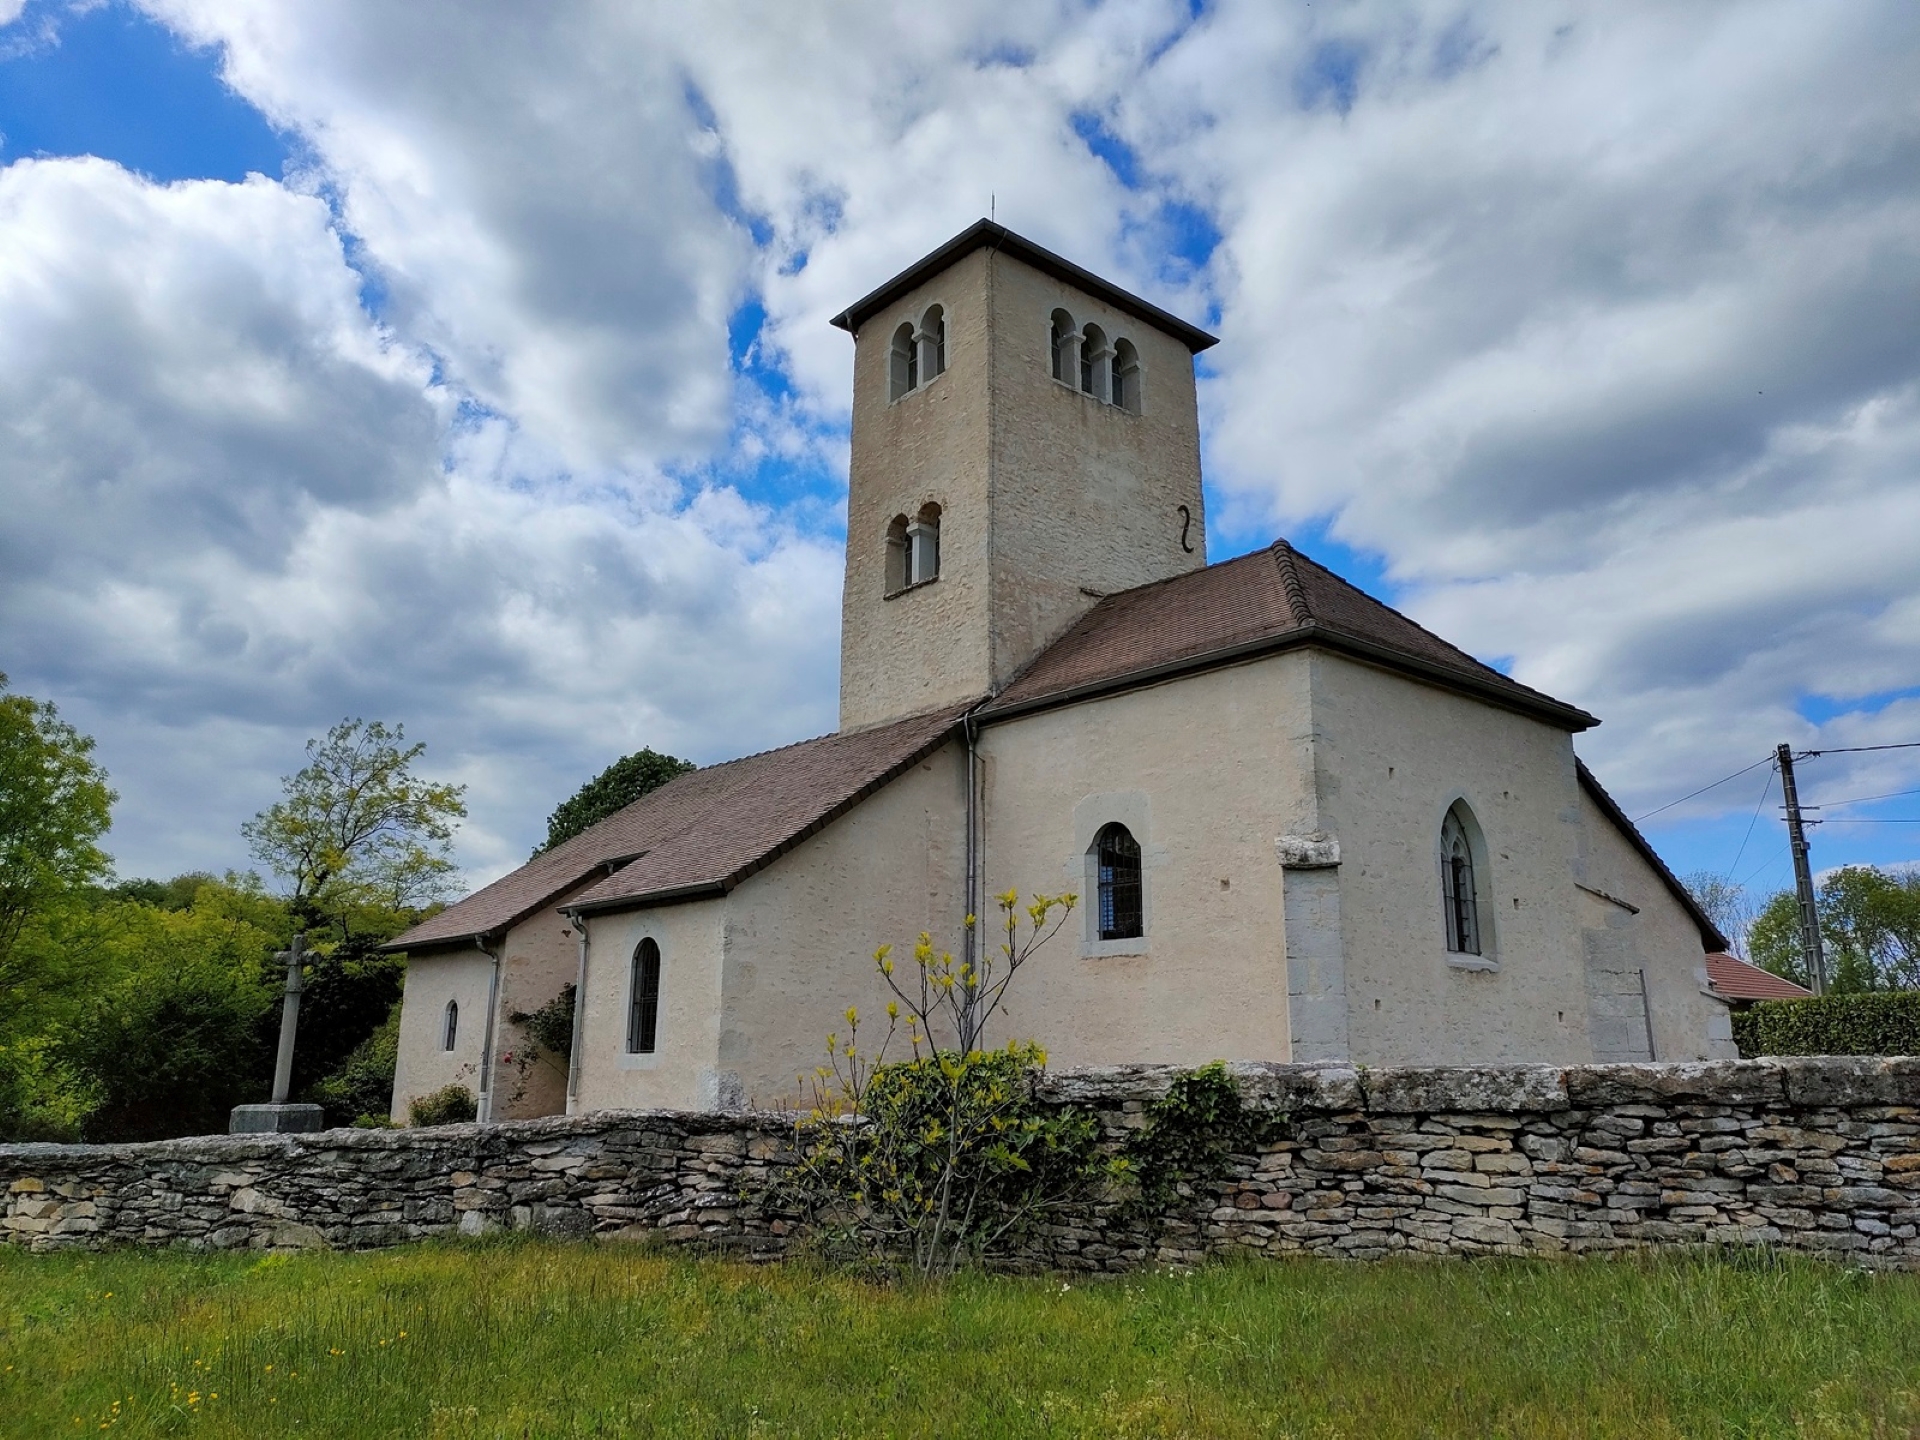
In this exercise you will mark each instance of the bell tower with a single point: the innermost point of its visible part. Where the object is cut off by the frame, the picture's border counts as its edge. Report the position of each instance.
(1025, 440)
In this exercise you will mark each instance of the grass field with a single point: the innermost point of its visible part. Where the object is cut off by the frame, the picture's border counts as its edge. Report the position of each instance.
(548, 1339)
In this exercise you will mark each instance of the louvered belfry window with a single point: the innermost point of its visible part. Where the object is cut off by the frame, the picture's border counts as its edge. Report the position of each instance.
(1117, 854)
(643, 1009)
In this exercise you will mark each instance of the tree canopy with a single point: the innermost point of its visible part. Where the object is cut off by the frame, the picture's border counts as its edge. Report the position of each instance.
(358, 828)
(54, 807)
(614, 788)
(1869, 924)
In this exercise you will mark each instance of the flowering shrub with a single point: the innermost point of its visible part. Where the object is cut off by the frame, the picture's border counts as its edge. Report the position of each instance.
(941, 1157)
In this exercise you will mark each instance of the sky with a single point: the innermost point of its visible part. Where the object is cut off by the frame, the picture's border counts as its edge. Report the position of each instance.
(467, 365)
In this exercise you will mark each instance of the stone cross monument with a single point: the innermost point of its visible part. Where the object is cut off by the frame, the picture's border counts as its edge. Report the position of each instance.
(280, 1116)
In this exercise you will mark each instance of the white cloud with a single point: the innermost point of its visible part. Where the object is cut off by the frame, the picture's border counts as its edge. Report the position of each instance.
(240, 509)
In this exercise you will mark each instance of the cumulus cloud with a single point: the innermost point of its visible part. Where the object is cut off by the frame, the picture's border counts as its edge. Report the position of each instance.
(1593, 323)
(239, 507)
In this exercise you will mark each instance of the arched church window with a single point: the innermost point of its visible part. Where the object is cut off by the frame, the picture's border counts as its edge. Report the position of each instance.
(899, 559)
(1460, 887)
(1117, 862)
(1126, 376)
(643, 1004)
(903, 363)
(1094, 358)
(1066, 348)
(933, 344)
(923, 545)
(450, 1031)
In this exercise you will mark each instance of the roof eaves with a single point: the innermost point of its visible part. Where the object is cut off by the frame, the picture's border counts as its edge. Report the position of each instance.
(1710, 936)
(399, 945)
(984, 233)
(1497, 692)
(700, 890)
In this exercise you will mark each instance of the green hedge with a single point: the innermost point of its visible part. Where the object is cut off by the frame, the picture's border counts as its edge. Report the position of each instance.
(1880, 1023)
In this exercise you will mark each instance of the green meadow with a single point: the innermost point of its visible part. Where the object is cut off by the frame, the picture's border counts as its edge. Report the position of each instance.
(534, 1339)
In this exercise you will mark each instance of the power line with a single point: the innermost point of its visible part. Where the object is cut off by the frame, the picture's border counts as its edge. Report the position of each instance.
(1704, 788)
(1765, 790)
(1877, 820)
(1859, 749)
(1863, 799)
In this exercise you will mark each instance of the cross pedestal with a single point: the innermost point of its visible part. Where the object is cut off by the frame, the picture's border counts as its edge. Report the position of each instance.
(281, 1116)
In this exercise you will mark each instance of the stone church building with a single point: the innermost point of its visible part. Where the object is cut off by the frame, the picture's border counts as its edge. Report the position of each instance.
(1302, 827)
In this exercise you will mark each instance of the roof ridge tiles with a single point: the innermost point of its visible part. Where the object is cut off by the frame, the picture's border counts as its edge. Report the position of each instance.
(1283, 557)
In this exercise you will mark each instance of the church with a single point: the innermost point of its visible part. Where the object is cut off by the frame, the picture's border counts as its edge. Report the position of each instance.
(1301, 827)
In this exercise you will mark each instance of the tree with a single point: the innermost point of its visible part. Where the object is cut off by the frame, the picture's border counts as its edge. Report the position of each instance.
(1869, 925)
(358, 828)
(54, 807)
(614, 788)
(1725, 903)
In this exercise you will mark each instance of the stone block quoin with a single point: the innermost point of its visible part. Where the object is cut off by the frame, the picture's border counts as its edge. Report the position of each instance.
(1820, 1155)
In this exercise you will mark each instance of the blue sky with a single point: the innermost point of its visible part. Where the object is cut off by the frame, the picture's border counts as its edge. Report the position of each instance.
(1474, 377)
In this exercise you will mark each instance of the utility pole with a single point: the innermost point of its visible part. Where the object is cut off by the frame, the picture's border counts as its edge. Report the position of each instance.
(279, 1116)
(1802, 876)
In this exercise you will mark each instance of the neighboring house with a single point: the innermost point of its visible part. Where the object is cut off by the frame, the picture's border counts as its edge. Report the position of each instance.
(1302, 827)
(1743, 985)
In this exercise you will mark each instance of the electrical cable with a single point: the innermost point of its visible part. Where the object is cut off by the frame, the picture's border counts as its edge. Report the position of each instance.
(1857, 749)
(1765, 790)
(1863, 799)
(1704, 788)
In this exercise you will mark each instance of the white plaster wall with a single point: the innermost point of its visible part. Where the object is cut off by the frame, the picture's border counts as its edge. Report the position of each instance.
(1391, 756)
(423, 1065)
(681, 1072)
(800, 935)
(538, 959)
(1206, 771)
(1688, 1024)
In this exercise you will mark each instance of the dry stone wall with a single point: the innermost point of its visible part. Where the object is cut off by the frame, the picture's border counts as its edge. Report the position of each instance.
(1819, 1154)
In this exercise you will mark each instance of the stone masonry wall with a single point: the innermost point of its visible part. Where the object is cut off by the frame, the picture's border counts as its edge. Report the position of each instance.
(1820, 1155)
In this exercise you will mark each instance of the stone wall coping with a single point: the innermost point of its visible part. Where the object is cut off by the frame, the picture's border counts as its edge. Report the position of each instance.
(1797, 1081)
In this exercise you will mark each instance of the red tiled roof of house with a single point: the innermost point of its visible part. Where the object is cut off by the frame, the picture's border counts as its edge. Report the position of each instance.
(1268, 600)
(702, 832)
(1737, 980)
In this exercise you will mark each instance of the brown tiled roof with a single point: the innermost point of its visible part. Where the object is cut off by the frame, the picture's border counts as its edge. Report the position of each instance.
(1710, 936)
(1269, 600)
(1737, 980)
(703, 832)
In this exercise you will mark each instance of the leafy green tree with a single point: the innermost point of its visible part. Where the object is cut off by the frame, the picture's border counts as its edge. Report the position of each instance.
(177, 1021)
(1869, 927)
(614, 788)
(54, 807)
(358, 832)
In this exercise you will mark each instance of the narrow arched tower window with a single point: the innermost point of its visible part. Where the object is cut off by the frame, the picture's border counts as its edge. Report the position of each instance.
(903, 363)
(1126, 376)
(899, 559)
(1095, 370)
(1066, 349)
(450, 1032)
(1459, 885)
(923, 545)
(643, 1008)
(1117, 859)
(933, 343)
